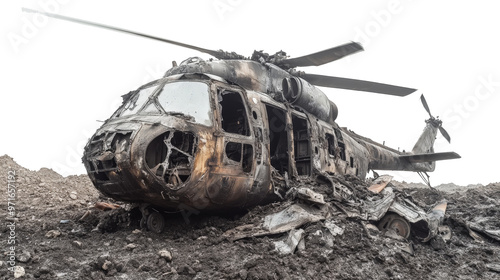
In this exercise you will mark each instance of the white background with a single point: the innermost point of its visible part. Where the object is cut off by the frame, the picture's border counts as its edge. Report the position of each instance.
(59, 78)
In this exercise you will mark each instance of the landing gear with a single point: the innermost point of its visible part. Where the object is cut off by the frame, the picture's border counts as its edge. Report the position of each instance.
(156, 222)
(151, 219)
(396, 223)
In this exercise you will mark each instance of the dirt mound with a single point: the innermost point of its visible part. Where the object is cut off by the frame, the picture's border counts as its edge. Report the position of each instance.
(60, 235)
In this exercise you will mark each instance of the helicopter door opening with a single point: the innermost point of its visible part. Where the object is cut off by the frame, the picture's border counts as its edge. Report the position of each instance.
(302, 146)
(278, 139)
(234, 122)
(234, 116)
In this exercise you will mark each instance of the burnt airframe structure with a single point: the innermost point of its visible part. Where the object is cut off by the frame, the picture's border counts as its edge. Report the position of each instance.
(211, 134)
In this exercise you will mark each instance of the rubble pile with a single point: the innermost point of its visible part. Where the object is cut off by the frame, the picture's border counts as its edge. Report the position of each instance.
(323, 234)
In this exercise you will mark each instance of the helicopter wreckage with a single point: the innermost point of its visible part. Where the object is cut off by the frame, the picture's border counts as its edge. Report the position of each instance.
(238, 132)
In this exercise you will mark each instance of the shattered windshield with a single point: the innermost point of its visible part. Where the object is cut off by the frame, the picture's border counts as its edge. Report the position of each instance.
(190, 100)
(137, 101)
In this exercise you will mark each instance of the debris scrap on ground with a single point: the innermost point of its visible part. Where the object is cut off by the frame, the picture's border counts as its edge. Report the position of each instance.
(321, 232)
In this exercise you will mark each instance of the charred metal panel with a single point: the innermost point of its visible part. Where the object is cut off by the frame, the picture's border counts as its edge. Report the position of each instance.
(329, 149)
(357, 157)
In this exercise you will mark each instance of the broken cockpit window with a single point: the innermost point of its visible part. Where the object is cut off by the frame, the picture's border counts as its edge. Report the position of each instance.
(136, 101)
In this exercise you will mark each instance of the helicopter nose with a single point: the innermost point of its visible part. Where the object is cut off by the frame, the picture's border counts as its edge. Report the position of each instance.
(130, 164)
(103, 153)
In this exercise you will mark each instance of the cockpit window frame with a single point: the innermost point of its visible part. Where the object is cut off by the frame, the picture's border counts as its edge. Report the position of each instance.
(153, 100)
(127, 97)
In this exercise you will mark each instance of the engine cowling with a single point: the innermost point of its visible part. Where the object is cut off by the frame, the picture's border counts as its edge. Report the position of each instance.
(301, 93)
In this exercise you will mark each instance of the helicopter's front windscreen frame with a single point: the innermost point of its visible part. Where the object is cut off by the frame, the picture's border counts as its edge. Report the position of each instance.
(152, 100)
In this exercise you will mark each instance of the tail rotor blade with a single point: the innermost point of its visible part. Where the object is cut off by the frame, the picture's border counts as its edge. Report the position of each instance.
(426, 106)
(445, 134)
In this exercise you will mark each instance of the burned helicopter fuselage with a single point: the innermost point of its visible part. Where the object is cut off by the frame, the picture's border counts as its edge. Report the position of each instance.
(200, 140)
(233, 132)
(210, 134)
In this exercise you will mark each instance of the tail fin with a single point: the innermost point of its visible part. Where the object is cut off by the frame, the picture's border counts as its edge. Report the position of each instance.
(422, 157)
(425, 143)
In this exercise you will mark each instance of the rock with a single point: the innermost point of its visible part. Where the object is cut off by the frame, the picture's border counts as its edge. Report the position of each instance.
(19, 271)
(136, 231)
(438, 243)
(24, 257)
(120, 267)
(389, 272)
(102, 259)
(42, 184)
(187, 270)
(107, 265)
(77, 244)
(146, 267)
(131, 238)
(44, 270)
(165, 254)
(243, 274)
(73, 196)
(131, 246)
(493, 267)
(133, 263)
(52, 233)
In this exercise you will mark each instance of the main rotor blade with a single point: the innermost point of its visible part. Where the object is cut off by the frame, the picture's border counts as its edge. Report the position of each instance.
(217, 54)
(424, 102)
(323, 57)
(445, 134)
(360, 85)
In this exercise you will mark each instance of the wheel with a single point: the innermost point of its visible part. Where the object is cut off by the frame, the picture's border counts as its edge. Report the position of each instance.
(156, 222)
(396, 223)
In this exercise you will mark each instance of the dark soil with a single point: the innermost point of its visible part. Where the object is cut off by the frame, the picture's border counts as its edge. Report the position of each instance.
(53, 241)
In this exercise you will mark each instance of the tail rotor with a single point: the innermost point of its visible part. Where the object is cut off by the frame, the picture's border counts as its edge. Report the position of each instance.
(435, 121)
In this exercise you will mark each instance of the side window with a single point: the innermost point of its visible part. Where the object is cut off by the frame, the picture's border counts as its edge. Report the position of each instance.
(331, 144)
(233, 113)
(341, 144)
(242, 153)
